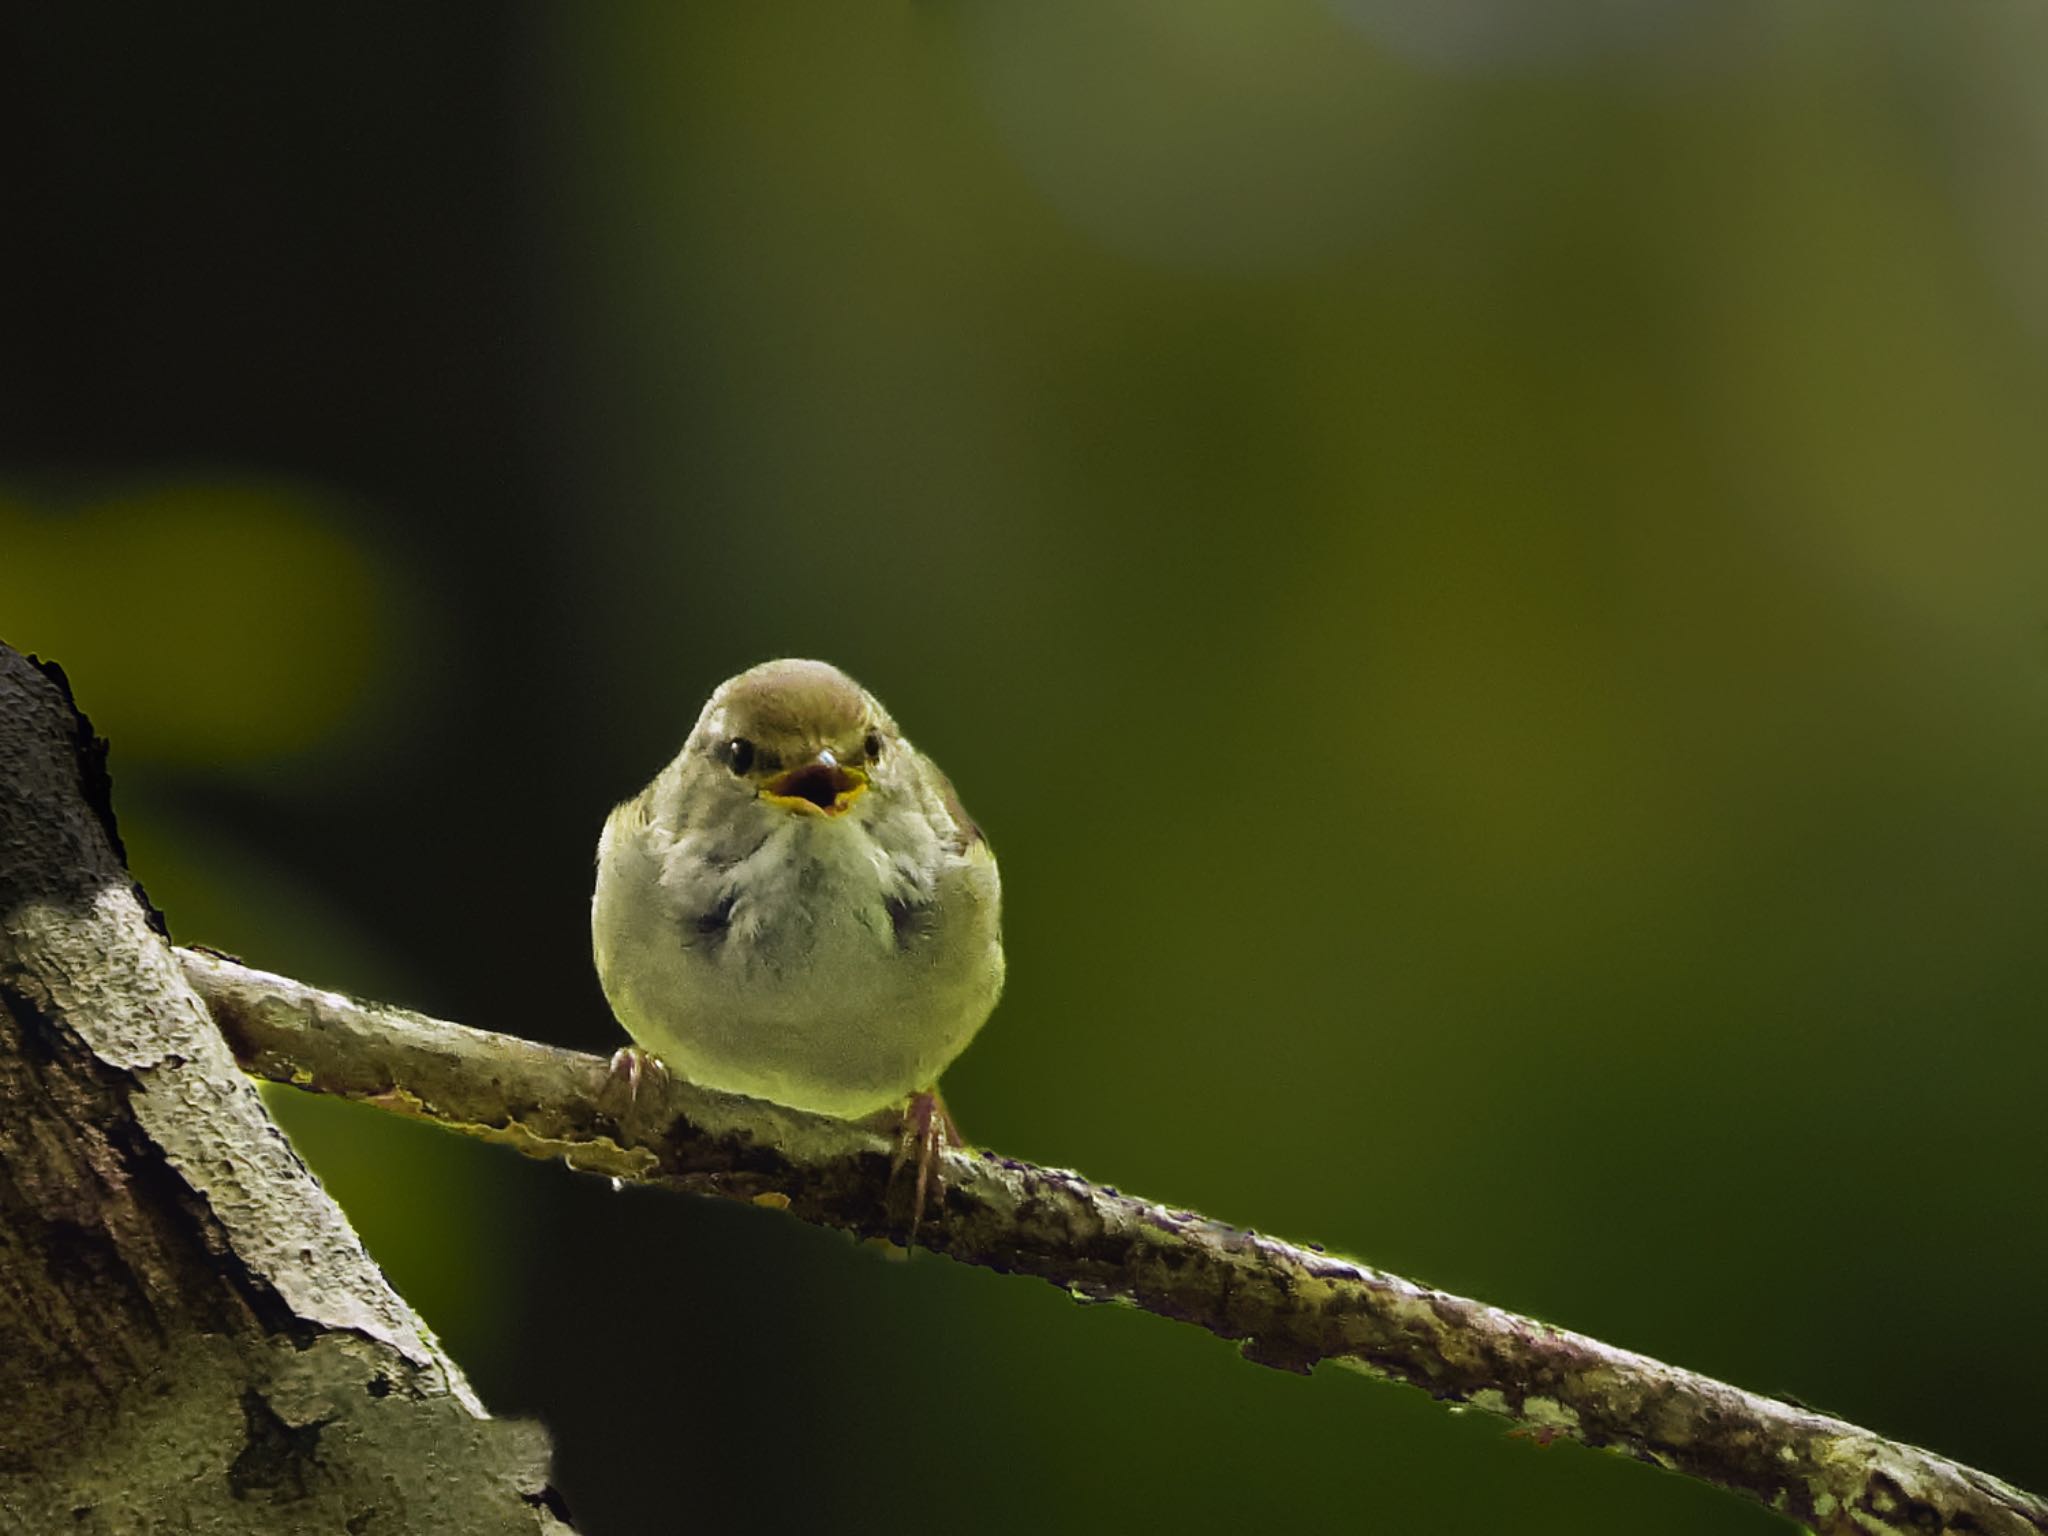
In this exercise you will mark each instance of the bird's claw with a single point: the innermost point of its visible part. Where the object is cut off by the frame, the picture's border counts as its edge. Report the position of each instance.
(630, 1066)
(928, 1130)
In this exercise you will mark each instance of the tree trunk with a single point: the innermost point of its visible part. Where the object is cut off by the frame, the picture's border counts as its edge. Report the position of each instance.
(191, 1335)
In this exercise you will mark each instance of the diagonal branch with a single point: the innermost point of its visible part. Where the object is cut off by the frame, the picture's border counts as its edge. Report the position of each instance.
(1290, 1307)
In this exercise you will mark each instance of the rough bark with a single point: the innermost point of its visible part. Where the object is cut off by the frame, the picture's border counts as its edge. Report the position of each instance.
(192, 1338)
(1290, 1307)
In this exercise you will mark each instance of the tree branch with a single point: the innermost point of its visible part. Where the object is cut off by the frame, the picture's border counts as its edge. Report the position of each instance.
(1290, 1307)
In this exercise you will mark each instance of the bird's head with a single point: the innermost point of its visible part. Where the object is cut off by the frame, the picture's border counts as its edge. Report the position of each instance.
(800, 736)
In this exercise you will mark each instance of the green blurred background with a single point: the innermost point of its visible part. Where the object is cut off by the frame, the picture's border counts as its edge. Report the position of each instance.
(1482, 563)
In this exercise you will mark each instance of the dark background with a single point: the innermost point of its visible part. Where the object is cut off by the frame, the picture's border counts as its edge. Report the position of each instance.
(1483, 565)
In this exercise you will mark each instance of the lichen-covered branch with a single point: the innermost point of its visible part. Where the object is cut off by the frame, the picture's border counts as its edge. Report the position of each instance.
(1291, 1307)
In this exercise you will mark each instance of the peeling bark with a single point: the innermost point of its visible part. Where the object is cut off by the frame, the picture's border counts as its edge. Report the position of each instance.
(191, 1336)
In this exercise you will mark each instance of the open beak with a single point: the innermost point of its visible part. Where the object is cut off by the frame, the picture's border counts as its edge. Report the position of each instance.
(820, 787)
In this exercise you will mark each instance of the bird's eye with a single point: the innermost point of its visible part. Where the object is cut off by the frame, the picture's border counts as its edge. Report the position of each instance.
(739, 754)
(873, 745)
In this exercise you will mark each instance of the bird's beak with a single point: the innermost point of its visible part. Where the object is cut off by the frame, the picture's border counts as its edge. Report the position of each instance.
(821, 787)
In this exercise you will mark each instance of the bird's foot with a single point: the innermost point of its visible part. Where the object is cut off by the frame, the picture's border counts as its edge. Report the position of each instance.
(927, 1131)
(630, 1067)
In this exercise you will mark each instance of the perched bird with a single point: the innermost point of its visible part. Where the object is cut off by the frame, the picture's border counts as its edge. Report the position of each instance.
(798, 908)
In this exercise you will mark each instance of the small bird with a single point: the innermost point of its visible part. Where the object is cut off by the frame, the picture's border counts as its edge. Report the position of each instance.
(799, 909)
